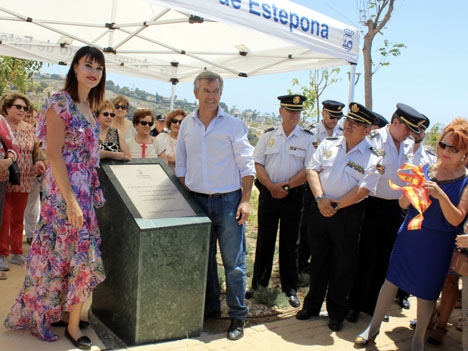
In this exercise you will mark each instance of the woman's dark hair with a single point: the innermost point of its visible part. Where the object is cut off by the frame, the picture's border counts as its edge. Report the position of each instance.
(96, 95)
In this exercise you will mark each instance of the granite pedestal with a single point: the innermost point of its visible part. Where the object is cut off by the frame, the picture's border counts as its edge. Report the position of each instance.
(155, 267)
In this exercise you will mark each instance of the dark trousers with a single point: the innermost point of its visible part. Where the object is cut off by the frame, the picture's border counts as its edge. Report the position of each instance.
(303, 251)
(333, 243)
(382, 220)
(288, 213)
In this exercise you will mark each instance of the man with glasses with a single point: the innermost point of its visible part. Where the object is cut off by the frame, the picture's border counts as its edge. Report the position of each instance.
(280, 158)
(332, 112)
(159, 125)
(383, 215)
(214, 161)
(342, 172)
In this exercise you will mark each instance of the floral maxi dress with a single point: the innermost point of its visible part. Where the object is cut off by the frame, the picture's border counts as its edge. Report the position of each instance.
(64, 264)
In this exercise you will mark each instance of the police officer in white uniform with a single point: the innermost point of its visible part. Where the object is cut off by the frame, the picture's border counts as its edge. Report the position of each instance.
(343, 171)
(422, 155)
(383, 215)
(280, 158)
(332, 112)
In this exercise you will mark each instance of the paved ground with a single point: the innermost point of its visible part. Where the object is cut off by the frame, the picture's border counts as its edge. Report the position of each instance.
(285, 334)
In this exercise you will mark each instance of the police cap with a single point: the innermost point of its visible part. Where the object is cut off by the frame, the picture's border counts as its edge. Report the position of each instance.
(409, 116)
(292, 102)
(334, 108)
(361, 114)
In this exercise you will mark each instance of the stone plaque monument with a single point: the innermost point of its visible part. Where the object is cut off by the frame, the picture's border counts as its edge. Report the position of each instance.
(155, 249)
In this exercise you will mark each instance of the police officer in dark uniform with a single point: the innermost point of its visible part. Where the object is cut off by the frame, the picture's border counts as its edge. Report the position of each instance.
(160, 120)
(343, 171)
(383, 215)
(332, 112)
(280, 157)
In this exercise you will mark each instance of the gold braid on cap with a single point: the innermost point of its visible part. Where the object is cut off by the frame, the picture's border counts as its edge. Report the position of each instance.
(410, 123)
(353, 114)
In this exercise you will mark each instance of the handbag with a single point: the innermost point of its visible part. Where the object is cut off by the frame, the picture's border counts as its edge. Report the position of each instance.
(460, 263)
(15, 174)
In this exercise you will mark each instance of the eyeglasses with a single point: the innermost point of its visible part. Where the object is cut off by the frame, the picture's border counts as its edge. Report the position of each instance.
(333, 117)
(121, 107)
(107, 114)
(175, 121)
(450, 148)
(144, 123)
(19, 107)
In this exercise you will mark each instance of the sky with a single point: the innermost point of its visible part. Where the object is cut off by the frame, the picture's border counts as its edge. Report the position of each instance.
(430, 75)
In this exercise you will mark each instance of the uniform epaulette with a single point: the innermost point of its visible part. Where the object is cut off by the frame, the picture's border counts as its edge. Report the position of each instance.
(269, 130)
(373, 134)
(376, 151)
(308, 131)
(331, 138)
(430, 152)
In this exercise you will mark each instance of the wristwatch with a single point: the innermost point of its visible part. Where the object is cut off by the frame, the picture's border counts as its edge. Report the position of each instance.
(319, 198)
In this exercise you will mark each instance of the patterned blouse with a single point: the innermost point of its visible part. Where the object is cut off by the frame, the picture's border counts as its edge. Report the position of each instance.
(112, 142)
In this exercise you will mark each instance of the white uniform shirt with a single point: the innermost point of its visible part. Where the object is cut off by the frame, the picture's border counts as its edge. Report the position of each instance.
(423, 156)
(340, 172)
(392, 160)
(320, 133)
(283, 157)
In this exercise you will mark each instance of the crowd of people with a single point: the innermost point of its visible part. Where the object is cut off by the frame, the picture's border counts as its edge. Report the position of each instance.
(338, 195)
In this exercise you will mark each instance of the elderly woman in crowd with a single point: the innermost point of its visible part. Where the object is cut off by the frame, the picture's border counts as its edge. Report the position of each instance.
(169, 140)
(120, 122)
(8, 154)
(111, 141)
(14, 107)
(421, 257)
(143, 145)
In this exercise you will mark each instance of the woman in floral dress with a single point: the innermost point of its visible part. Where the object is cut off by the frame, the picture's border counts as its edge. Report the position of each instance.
(64, 264)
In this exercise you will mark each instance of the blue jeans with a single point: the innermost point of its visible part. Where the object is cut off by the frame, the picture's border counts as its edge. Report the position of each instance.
(231, 237)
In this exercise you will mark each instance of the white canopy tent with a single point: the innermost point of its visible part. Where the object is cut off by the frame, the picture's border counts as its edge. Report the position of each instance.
(174, 40)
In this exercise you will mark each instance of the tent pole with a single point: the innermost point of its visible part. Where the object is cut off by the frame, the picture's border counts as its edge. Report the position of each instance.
(174, 82)
(352, 82)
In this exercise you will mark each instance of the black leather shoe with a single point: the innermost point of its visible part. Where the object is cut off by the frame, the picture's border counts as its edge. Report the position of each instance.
(249, 294)
(335, 325)
(236, 329)
(404, 303)
(305, 314)
(62, 324)
(83, 343)
(352, 316)
(294, 301)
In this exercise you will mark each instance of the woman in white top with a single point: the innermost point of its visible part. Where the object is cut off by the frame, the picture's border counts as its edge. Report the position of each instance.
(169, 140)
(143, 145)
(120, 122)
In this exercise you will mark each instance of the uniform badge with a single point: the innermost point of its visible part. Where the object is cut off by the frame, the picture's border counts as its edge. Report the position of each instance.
(328, 154)
(271, 142)
(380, 168)
(296, 100)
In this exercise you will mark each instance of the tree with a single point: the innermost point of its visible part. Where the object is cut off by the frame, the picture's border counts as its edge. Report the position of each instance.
(433, 135)
(17, 72)
(375, 14)
(319, 80)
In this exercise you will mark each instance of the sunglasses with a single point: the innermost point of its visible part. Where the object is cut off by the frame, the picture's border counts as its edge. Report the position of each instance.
(175, 121)
(121, 107)
(107, 114)
(144, 123)
(450, 148)
(19, 107)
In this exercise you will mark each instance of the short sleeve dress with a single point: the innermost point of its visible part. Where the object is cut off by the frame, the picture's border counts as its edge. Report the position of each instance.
(421, 258)
(64, 264)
